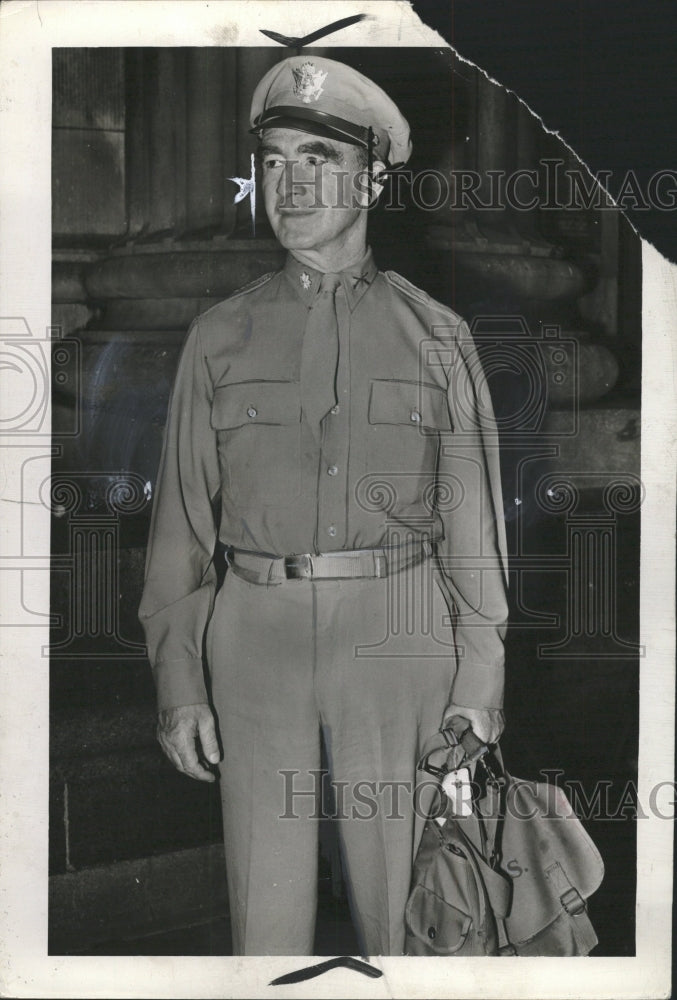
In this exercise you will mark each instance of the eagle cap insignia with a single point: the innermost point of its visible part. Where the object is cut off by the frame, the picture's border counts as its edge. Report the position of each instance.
(308, 82)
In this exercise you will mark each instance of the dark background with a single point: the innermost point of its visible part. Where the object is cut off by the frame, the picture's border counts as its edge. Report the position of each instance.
(145, 236)
(600, 74)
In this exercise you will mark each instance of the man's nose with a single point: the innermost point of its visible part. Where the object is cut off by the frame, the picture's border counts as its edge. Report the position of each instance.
(285, 181)
(293, 180)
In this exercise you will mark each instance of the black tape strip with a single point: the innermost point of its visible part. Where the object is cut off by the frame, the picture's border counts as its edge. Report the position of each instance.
(311, 971)
(296, 43)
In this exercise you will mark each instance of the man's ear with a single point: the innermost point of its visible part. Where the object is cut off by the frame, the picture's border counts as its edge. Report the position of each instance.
(378, 167)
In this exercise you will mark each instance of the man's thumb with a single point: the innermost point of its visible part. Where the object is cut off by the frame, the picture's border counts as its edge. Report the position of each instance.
(210, 746)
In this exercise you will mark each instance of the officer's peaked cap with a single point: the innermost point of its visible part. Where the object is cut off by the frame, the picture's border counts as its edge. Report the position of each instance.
(328, 98)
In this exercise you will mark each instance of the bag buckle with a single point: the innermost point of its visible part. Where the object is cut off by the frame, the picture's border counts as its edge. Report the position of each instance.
(572, 902)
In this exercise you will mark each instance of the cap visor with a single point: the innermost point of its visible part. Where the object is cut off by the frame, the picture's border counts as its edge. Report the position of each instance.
(314, 123)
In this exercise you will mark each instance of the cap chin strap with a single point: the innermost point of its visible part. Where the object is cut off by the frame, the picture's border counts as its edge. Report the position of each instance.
(370, 164)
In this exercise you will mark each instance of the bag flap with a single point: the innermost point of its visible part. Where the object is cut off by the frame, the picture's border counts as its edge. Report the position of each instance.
(409, 403)
(548, 855)
(250, 403)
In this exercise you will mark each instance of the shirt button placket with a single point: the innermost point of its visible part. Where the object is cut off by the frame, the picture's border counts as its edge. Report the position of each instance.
(332, 489)
(332, 497)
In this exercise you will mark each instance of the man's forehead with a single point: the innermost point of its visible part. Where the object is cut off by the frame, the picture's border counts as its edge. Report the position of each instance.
(293, 139)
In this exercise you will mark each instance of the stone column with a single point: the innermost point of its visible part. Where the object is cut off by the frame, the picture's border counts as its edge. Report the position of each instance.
(182, 142)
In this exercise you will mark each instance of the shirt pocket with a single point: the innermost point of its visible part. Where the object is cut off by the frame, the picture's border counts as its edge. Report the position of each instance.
(258, 430)
(407, 422)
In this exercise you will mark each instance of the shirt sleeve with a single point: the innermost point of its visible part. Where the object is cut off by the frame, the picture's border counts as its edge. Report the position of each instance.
(473, 552)
(180, 579)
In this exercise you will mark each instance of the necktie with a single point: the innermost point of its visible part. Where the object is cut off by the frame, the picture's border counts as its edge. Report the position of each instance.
(319, 355)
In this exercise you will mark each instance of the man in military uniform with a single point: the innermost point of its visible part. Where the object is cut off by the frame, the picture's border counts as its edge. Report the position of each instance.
(331, 429)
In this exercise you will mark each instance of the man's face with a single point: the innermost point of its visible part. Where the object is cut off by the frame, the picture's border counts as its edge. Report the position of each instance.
(311, 188)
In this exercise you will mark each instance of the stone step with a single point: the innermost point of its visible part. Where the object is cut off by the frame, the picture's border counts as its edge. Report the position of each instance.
(135, 898)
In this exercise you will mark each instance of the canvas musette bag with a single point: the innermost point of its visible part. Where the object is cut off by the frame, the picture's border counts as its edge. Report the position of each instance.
(511, 877)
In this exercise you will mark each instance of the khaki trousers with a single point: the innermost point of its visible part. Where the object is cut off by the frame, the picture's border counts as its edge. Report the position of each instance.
(370, 662)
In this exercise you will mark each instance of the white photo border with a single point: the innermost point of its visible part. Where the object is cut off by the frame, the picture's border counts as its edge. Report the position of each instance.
(28, 32)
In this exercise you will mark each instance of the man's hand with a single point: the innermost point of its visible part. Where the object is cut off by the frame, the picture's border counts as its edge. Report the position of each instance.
(486, 723)
(178, 729)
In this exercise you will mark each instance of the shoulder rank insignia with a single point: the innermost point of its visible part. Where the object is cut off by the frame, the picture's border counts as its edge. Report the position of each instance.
(308, 82)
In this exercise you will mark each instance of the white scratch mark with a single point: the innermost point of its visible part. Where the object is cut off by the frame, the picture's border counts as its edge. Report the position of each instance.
(247, 186)
(66, 828)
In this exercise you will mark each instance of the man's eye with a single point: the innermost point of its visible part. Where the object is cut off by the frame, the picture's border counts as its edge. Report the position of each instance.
(272, 162)
(315, 161)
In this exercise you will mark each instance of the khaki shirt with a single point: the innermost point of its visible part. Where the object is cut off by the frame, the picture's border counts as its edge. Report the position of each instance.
(410, 449)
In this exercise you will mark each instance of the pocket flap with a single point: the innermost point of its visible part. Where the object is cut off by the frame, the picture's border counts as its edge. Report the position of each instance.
(247, 403)
(410, 403)
(440, 925)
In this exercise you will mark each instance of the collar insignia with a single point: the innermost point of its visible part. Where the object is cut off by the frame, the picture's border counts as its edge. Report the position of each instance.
(308, 82)
(304, 278)
(361, 279)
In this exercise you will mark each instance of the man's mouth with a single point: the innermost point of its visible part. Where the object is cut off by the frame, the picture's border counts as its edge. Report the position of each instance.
(295, 210)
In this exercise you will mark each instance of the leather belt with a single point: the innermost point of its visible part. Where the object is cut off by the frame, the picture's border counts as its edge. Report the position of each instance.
(356, 564)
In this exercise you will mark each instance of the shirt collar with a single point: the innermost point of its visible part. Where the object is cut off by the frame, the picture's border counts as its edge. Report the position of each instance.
(355, 280)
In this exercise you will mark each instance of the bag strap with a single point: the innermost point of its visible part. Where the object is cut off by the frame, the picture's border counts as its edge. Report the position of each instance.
(505, 948)
(498, 886)
(497, 846)
(479, 753)
(476, 752)
(575, 905)
(498, 890)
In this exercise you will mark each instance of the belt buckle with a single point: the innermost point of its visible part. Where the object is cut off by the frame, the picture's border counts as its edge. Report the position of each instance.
(380, 565)
(298, 567)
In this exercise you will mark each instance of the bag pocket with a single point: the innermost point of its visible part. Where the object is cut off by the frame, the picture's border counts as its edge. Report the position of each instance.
(258, 430)
(434, 926)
